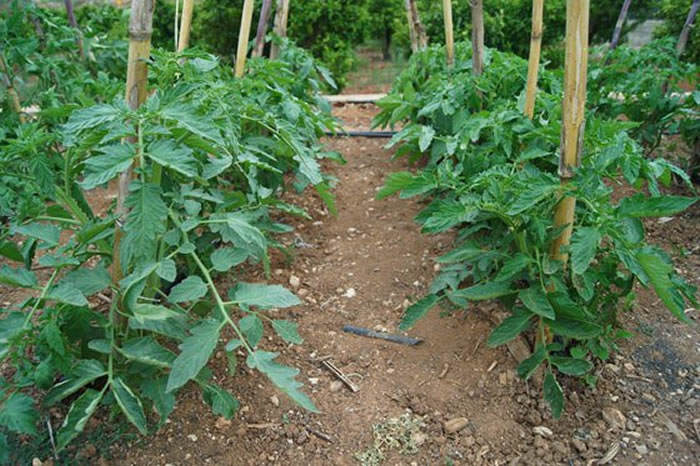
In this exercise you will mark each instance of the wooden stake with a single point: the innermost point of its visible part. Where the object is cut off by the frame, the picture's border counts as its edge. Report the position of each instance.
(74, 24)
(411, 27)
(262, 28)
(477, 36)
(685, 32)
(243, 38)
(534, 61)
(140, 30)
(573, 107)
(449, 32)
(12, 94)
(280, 28)
(185, 25)
(421, 36)
(620, 23)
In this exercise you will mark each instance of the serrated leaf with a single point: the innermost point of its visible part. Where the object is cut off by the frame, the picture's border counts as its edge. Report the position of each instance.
(531, 196)
(10, 250)
(241, 226)
(20, 277)
(101, 345)
(584, 245)
(216, 166)
(417, 310)
(145, 221)
(426, 136)
(309, 168)
(51, 334)
(221, 401)
(66, 293)
(84, 372)
(464, 253)
(114, 160)
(130, 404)
(147, 350)
(282, 376)
(164, 403)
(17, 413)
(57, 260)
(90, 117)
(571, 366)
(144, 312)
(394, 183)
(660, 206)
(77, 417)
(513, 266)
(252, 328)
(263, 296)
(190, 289)
(89, 281)
(195, 351)
(553, 394)
(175, 157)
(510, 328)
(573, 328)
(535, 300)
(224, 258)
(288, 331)
(50, 234)
(167, 270)
(659, 273)
(527, 367)
(484, 291)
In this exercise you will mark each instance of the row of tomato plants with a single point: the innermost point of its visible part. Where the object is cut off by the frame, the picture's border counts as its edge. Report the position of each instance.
(491, 175)
(212, 154)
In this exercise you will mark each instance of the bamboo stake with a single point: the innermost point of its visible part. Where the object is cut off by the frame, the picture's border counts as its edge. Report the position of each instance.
(12, 94)
(244, 38)
(534, 61)
(685, 32)
(280, 28)
(411, 27)
(185, 25)
(477, 36)
(140, 30)
(74, 24)
(449, 32)
(620, 23)
(262, 28)
(573, 108)
(421, 36)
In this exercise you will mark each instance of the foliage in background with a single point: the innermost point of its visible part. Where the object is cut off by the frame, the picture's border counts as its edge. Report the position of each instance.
(674, 13)
(491, 174)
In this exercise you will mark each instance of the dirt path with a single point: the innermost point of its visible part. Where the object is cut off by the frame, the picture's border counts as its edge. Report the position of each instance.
(360, 268)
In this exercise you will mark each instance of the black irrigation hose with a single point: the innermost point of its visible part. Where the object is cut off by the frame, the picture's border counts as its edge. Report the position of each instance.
(361, 134)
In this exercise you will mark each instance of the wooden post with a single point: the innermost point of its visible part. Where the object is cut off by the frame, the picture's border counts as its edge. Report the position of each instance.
(262, 28)
(573, 122)
(185, 25)
(421, 36)
(620, 23)
(534, 61)
(243, 38)
(12, 94)
(685, 32)
(74, 24)
(411, 27)
(449, 32)
(280, 29)
(477, 36)
(140, 30)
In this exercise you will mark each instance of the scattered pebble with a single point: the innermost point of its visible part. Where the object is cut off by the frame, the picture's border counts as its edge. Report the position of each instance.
(274, 400)
(192, 437)
(350, 293)
(294, 281)
(456, 424)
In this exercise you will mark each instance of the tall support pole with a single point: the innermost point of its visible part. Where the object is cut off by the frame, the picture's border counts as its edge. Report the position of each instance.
(477, 36)
(534, 61)
(411, 27)
(243, 38)
(449, 32)
(620, 23)
(183, 40)
(685, 32)
(140, 31)
(281, 16)
(12, 95)
(262, 28)
(421, 36)
(573, 108)
(74, 24)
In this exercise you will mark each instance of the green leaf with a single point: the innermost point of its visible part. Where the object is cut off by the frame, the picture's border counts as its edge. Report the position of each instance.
(78, 415)
(281, 376)
(175, 157)
(190, 289)
(252, 328)
(324, 192)
(553, 394)
(224, 258)
(309, 168)
(528, 366)
(394, 183)
(89, 281)
(584, 245)
(84, 372)
(573, 328)
(66, 293)
(263, 296)
(101, 345)
(17, 413)
(513, 266)
(167, 270)
(427, 134)
(50, 234)
(571, 366)
(51, 334)
(57, 260)
(145, 222)
(660, 206)
(659, 273)
(221, 401)
(510, 328)
(114, 160)
(147, 350)
(195, 352)
(216, 166)
(130, 404)
(20, 277)
(10, 326)
(164, 402)
(10, 250)
(535, 300)
(417, 310)
(288, 331)
(464, 253)
(91, 117)
(484, 291)
(249, 234)
(531, 196)
(143, 312)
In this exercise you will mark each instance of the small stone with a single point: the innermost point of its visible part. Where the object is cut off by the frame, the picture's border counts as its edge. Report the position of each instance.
(469, 441)
(456, 424)
(192, 437)
(313, 380)
(294, 281)
(642, 449)
(418, 438)
(503, 378)
(648, 397)
(274, 400)
(222, 423)
(302, 437)
(543, 431)
(579, 445)
(614, 417)
(302, 292)
(436, 268)
(336, 385)
(36, 462)
(350, 293)
(629, 367)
